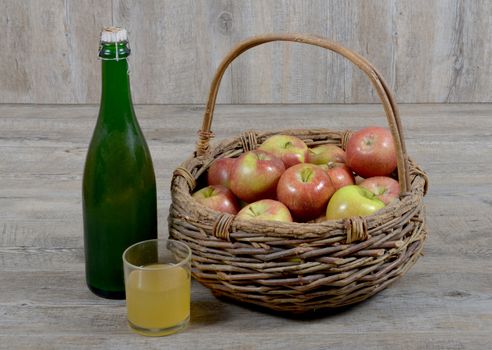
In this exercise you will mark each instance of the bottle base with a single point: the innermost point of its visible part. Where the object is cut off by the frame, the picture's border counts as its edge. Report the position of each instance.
(117, 295)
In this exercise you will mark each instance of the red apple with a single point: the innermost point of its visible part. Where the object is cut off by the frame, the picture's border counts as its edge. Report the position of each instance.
(371, 152)
(255, 175)
(292, 150)
(385, 188)
(340, 174)
(265, 209)
(219, 172)
(305, 189)
(325, 154)
(351, 201)
(218, 198)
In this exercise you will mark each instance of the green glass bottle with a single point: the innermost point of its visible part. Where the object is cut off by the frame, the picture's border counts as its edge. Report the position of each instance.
(119, 191)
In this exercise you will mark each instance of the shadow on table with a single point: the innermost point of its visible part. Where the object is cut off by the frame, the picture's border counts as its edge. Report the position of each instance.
(208, 312)
(307, 316)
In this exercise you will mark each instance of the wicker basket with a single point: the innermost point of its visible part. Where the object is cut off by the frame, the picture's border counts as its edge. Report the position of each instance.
(298, 267)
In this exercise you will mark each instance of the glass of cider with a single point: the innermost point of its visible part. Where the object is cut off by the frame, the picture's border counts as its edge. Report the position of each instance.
(157, 286)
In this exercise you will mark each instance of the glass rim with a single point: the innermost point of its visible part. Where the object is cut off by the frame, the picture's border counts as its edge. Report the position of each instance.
(164, 267)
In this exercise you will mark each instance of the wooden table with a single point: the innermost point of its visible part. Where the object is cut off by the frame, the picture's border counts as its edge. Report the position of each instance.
(444, 302)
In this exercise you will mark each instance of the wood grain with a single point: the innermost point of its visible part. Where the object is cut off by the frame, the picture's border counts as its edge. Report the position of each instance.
(50, 50)
(445, 59)
(428, 51)
(170, 60)
(443, 302)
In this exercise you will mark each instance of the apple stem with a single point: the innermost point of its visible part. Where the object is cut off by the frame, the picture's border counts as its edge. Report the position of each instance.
(209, 192)
(369, 140)
(252, 211)
(262, 156)
(306, 174)
(381, 191)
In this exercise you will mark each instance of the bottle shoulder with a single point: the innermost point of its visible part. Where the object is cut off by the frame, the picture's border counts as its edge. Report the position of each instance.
(119, 147)
(118, 132)
(119, 163)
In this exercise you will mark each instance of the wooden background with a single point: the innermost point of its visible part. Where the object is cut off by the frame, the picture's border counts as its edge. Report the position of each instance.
(428, 50)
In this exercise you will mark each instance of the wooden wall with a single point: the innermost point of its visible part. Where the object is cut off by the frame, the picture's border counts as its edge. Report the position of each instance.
(428, 50)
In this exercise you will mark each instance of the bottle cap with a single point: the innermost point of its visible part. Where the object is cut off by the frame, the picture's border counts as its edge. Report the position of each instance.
(114, 35)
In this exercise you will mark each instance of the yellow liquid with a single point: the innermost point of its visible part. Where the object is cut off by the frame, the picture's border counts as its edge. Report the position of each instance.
(158, 299)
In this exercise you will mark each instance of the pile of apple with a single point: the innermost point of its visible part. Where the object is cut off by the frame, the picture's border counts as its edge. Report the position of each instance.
(285, 180)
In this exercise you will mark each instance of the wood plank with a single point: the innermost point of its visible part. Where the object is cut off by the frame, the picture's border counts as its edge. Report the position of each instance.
(52, 55)
(404, 340)
(436, 58)
(176, 46)
(84, 21)
(368, 31)
(285, 72)
(22, 82)
(430, 59)
(471, 66)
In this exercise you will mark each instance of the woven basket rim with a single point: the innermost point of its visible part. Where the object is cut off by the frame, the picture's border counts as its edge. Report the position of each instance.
(317, 228)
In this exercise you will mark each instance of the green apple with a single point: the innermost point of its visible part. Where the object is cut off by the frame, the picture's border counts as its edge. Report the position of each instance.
(352, 200)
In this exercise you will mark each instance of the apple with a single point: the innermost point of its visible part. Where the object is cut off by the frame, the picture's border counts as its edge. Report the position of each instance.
(255, 175)
(385, 188)
(351, 201)
(292, 150)
(217, 197)
(305, 189)
(265, 209)
(340, 174)
(325, 154)
(219, 172)
(371, 152)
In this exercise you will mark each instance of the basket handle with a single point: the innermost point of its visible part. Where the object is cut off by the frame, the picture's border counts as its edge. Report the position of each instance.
(389, 104)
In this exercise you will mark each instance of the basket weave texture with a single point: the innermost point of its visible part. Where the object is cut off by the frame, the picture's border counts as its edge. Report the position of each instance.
(298, 267)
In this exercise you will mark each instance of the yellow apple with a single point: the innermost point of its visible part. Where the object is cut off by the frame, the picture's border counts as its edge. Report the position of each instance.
(352, 200)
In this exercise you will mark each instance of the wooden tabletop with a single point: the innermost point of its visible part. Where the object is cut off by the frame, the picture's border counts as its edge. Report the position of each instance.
(444, 301)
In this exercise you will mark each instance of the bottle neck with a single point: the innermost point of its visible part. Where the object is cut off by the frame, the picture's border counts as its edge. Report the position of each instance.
(115, 85)
(116, 98)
